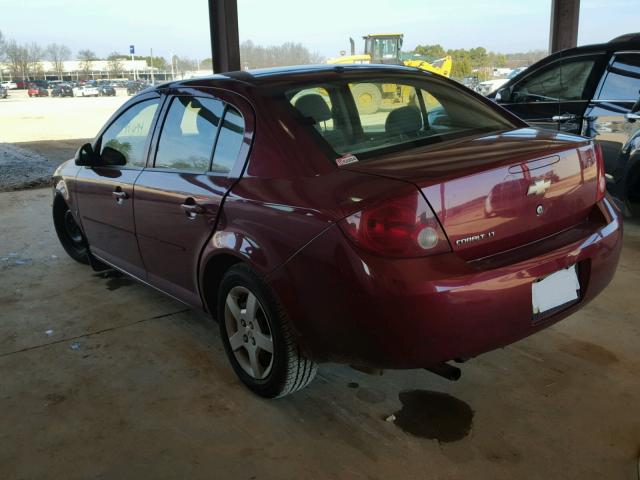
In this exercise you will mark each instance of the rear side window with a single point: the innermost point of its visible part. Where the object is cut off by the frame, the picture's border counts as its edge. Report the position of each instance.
(189, 134)
(563, 80)
(378, 115)
(128, 133)
(229, 141)
(622, 80)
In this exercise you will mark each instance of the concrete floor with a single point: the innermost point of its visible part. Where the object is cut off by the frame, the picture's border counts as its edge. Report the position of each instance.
(105, 378)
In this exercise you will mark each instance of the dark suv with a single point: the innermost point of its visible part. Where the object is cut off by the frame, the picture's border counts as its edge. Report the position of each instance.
(592, 91)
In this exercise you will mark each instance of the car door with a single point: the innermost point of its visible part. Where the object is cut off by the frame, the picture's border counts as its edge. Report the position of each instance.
(105, 192)
(613, 119)
(180, 194)
(555, 95)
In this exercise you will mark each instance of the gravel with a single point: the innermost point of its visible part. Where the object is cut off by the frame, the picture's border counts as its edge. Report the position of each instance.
(20, 168)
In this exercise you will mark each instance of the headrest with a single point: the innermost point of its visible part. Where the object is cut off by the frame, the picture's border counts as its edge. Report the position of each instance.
(404, 121)
(313, 106)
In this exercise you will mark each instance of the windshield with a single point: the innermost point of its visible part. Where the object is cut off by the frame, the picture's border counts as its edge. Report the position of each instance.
(375, 116)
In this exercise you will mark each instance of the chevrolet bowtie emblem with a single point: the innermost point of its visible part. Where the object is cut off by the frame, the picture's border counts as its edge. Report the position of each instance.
(539, 187)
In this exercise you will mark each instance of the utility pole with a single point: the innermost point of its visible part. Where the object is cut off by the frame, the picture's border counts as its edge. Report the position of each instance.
(151, 62)
(173, 75)
(132, 50)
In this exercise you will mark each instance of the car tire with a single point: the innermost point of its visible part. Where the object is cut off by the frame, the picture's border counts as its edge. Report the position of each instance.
(273, 374)
(69, 233)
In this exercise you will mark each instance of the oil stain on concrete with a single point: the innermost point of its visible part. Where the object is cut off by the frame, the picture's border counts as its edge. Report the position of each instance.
(434, 415)
(590, 352)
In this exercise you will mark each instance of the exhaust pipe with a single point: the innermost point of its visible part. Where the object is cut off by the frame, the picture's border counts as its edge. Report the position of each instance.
(447, 371)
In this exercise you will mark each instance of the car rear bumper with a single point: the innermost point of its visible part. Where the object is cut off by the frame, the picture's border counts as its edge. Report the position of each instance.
(353, 307)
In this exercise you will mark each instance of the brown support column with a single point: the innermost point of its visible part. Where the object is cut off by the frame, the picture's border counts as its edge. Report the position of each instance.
(564, 24)
(223, 28)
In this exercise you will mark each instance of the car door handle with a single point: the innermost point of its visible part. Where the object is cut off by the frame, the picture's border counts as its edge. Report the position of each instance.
(119, 195)
(563, 118)
(191, 208)
(632, 116)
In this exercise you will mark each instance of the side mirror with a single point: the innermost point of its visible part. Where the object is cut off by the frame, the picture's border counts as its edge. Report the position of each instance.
(85, 156)
(111, 156)
(503, 95)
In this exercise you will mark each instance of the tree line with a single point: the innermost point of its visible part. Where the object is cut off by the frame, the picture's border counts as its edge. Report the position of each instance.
(25, 59)
(479, 61)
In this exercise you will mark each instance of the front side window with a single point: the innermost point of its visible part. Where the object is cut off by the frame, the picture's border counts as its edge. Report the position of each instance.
(128, 134)
(372, 116)
(189, 134)
(562, 81)
(622, 80)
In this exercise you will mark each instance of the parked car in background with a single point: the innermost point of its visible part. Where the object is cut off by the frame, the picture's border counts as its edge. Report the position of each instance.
(593, 91)
(3, 92)
(135, 87)
(62, 90)
(106, 90)
(85, 91)
(9, 85)
(470, 81)
(35, 90)
(490, 86)
(383, 240)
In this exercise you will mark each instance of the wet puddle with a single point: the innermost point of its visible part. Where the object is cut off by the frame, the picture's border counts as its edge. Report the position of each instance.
(434, 415)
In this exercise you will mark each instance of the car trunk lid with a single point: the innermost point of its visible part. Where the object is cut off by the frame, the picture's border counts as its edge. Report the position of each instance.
(492, 193)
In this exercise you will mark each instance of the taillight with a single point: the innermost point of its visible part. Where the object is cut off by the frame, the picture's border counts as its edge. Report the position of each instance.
(401, 227)
(602, 181)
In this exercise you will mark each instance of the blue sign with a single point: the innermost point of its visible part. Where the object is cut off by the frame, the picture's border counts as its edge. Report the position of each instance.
(132, 49)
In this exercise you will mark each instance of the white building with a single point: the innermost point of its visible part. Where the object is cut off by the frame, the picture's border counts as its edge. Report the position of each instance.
(76, 66)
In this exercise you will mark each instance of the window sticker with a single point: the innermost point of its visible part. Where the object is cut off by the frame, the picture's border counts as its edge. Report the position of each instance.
(346, 159)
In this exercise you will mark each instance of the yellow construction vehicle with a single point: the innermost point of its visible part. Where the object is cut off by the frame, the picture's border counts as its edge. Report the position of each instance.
(386, 48)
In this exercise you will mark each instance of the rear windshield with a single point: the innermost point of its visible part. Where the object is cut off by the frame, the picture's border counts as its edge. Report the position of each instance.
(370, 117)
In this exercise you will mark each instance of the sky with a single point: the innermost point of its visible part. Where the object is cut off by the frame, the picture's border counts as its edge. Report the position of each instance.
(324, 27)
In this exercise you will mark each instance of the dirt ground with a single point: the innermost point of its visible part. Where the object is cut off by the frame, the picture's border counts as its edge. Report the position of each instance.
(102, 378)
(37, 134)
(55, 151)
(24, 119)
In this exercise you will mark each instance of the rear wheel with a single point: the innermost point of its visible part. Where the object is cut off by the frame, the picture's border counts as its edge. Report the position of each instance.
(69, 232)
(257, 337)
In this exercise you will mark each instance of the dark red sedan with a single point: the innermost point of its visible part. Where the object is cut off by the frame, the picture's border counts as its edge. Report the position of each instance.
(436, 228)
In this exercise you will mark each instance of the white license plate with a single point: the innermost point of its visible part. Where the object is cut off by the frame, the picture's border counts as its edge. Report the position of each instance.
(555, 290)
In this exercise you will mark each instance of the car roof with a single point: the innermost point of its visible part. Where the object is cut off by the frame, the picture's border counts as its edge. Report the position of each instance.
(302, 73)
(629, 41)
(626, 42)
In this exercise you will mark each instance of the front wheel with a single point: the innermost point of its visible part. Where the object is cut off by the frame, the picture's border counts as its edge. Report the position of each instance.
(69, 232)
(257, 337)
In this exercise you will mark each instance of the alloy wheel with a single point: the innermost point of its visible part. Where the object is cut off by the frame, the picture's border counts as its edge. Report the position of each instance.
(249, 332)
